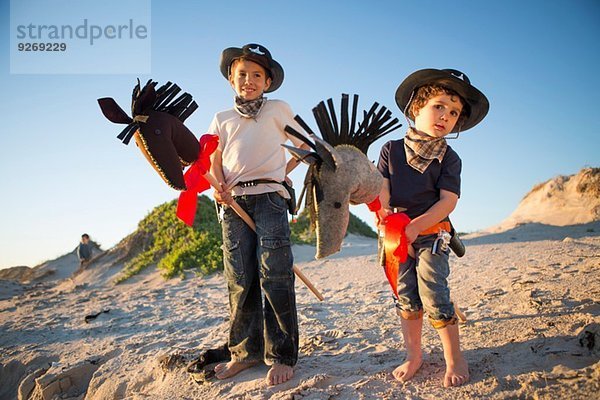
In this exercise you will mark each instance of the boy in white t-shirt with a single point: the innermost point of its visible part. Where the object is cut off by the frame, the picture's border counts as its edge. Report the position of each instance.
(250, 163)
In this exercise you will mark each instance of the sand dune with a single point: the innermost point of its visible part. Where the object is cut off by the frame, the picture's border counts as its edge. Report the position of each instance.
(529, 307)
(54, 270)
(560, 201)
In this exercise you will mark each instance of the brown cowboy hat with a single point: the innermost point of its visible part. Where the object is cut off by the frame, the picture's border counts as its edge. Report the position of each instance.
(477, 104)
(258, 54)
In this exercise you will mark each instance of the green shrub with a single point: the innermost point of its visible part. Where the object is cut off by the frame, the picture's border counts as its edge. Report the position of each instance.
(173, 246)
(358, 227)
(164, 241)
(300, 231)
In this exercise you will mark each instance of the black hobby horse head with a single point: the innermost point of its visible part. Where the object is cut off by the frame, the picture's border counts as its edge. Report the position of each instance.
(157, 126)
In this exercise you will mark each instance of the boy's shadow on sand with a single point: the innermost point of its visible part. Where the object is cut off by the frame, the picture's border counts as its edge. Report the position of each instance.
(541, 354)
(534, 232)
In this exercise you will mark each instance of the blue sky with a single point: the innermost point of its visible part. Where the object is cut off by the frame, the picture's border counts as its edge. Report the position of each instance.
(64, 172)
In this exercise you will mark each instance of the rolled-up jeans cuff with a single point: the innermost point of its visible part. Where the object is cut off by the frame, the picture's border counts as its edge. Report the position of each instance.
(442, 323)
(283, 361)
(246, 360)
(409, 315)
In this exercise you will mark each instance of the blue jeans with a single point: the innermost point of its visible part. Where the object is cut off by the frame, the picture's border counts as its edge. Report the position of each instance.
(423, 282)
(258, 264)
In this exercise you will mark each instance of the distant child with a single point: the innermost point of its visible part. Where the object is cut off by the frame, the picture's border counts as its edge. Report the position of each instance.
(84, 250)
(422, 179)
(251, 164)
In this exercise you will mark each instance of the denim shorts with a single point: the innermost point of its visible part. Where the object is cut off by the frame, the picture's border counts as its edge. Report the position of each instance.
(423, 282)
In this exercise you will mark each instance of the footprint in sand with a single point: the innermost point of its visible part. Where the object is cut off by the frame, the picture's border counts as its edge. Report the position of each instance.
(327, 340)
(334, 333)
(317, 387)
(523, 282)
(495, 292)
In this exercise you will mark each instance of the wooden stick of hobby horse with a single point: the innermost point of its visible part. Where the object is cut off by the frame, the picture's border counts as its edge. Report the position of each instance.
(461, 316)
(244, 215)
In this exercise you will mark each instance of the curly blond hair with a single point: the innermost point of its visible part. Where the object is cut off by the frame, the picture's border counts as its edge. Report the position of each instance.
(426, 92)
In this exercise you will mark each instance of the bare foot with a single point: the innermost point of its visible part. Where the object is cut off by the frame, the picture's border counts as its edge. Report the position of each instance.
(457, 369)
(232, 368)
(279, 373)
(407, 370)
(457, 373)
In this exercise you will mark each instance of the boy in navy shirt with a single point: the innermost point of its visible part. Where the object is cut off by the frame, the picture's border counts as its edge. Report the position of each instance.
(422, 179)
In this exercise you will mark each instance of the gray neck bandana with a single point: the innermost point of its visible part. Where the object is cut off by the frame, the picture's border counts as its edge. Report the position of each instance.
(249, 109)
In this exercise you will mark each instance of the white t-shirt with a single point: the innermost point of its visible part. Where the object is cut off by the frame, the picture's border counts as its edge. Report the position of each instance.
(251, 148)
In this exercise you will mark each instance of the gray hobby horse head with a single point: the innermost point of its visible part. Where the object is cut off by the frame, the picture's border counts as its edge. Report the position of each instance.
(339, 172)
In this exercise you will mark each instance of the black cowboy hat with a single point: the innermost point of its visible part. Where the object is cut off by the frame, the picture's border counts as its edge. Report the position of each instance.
(477, 104)
(258, 54)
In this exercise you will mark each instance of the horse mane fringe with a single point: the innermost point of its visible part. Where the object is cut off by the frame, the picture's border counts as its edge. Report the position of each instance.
(376, 123)
(181, 107)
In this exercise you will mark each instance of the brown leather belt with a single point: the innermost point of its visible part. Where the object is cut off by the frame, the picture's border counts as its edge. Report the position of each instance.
(435, 229)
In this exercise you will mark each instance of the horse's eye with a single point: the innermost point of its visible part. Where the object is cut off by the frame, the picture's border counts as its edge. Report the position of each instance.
(337, 204)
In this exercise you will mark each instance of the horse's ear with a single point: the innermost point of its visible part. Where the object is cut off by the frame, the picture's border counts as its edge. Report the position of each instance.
(326, 152)
(298, 135)
(308, 157)
(145, 99)
(113, 112)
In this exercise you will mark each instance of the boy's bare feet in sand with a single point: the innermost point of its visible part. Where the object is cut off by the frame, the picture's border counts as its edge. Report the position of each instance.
(232, 368)
(457, 373)
(457, 369)
(279, 373)
(411, 330)
(407, 370)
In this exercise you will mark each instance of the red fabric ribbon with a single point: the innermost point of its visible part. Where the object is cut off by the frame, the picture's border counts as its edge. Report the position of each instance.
(375, 205)
(195, 181)
(396, 246)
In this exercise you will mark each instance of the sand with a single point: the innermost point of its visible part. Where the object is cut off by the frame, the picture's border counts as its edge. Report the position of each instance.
(532, 296)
